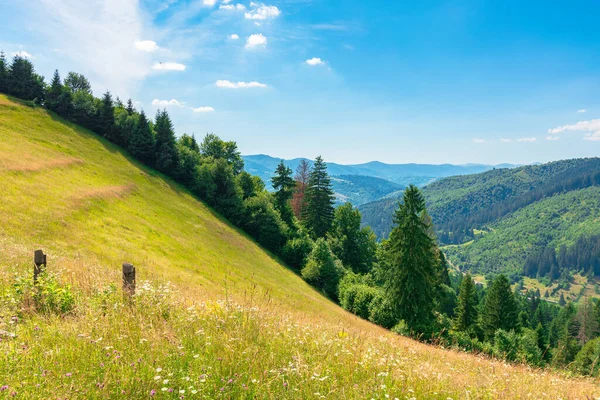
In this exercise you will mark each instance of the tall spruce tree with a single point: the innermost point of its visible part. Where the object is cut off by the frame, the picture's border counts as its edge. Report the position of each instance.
(130, 108)
(284, 184)
(411, 260)
(466, 309)
(3, 73)
(23, 82)
(165, 151)
(54, 93)
(106, 116)
(141, 141)
(317, 215)
(500, 308)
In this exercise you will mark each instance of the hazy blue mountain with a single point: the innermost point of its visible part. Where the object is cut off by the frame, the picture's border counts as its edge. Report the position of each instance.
(379, 180)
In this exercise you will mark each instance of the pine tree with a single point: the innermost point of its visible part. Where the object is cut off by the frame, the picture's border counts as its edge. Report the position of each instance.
(141, 141)
(106, 122)
(130, 108)
(301, 178)
(283, 184)
(54, 92)
(500, 308)
(561, 300)
(318, 212)
(411, 258)
(165, 151)
(23, 82)
(466, 310)
(3, 73)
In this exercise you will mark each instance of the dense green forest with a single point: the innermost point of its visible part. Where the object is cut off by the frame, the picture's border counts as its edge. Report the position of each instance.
(402, 283)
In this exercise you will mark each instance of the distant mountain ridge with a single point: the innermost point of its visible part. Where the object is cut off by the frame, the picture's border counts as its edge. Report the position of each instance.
(360, 190)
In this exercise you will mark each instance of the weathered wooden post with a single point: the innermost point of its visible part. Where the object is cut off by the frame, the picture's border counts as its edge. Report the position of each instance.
(39, 264)
(128, 279)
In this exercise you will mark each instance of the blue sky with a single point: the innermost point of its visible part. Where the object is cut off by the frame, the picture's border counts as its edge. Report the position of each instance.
(354, 80)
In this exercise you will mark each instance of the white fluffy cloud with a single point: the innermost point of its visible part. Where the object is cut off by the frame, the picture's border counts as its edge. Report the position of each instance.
(315, 61)
(552, 138)
(88, 33)
(478, 141)
(148, 46)
(527, 139)
(166, 103)
(23, 54)
(255, 40)
(209, 3)
(594, 137)
(203, 109)
(582, 110)
(239, 85)
(582, 126)
(261, 11)
(234, 36)
(168, 66)
(231, 7)
(177, 103)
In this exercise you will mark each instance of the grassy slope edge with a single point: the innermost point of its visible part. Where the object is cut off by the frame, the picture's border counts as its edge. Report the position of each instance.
(233, 324)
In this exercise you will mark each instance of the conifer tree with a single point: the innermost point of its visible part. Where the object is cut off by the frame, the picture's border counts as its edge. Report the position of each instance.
(561, 300)
(318, 213)
(130, 108)
(411, 258)
(165, 151)
(283, 183)
(106, 122)
(3, 73)
(23, 82)
(301, 178)
(54, 92)
(141, 141)
(500, 308)
(466, 309)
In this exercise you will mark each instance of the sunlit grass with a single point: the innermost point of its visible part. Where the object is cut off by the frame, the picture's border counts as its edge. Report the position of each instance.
(232, 322)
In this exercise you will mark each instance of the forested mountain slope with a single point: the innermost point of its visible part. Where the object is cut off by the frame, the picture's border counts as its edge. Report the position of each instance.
(214, 315)
(502, 217)
(363, 183)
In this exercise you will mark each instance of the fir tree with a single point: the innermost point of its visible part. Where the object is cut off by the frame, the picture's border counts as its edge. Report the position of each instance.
(411, 258)
(130, 108)
(283, 184)
(561, 300)
(106, 123)
(466, 309)
(23, 82)
(141, 141)
(301, 178)
(3, 73)
(54, 91)
(165, 151)
(318, 213)
(500, 308)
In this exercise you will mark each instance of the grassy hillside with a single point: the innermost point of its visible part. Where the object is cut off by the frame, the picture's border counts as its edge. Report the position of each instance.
(214, 315)
(560, 219)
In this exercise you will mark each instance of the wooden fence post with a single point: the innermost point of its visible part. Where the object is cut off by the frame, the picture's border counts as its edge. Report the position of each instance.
(39, 264)
(128, 279)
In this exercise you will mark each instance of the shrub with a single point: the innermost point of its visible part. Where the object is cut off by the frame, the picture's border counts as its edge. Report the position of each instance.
(295, 252)
(323, 270)
(381, 312)
(357, 298)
